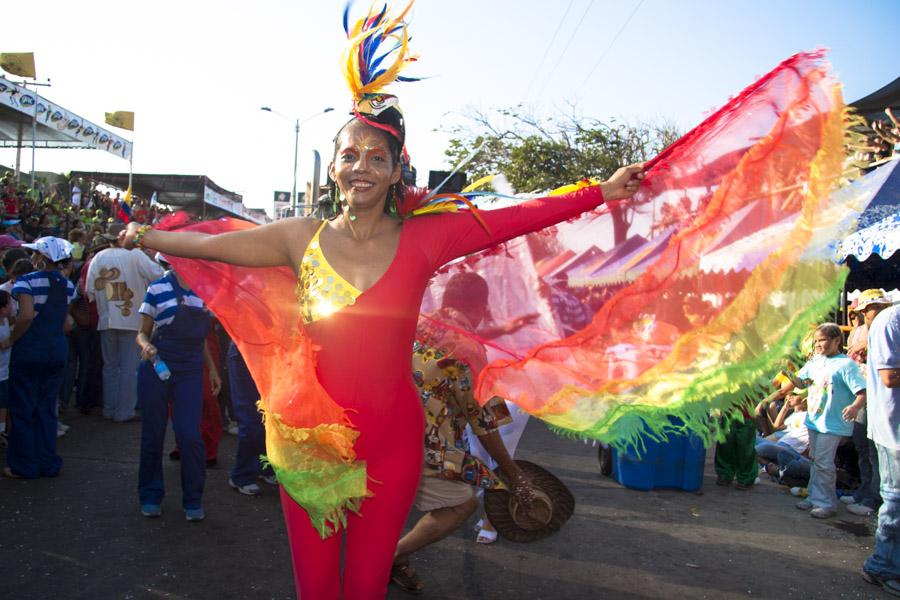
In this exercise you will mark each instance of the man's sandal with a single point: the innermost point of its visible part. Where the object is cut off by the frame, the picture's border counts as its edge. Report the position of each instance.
(486, 536)
(406, 578)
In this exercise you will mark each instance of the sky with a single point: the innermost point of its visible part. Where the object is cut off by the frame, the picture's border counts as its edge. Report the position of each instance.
(196, 73)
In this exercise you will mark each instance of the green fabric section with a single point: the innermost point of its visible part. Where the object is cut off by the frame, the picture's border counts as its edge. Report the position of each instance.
(736, 455)
(739, 378)
(326, 493)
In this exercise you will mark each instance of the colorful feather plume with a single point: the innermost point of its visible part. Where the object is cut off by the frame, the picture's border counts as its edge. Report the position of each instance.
(377, 51)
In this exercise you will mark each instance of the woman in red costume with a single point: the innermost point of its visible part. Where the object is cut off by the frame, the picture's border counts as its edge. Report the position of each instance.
(384, 262)
(361, 277)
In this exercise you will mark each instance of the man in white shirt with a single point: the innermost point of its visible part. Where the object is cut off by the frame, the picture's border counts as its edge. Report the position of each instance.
(883, 404)
(117, 281)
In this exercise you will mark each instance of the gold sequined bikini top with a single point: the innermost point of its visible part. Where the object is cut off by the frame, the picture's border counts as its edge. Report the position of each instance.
(320, 290)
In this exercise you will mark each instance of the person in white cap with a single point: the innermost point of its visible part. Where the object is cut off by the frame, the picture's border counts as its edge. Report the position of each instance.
(38, 360)
(117, 280)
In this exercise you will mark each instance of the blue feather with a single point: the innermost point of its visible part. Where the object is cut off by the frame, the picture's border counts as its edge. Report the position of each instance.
(377, 62)
(347, 17)
(372, 44)
(381, 15)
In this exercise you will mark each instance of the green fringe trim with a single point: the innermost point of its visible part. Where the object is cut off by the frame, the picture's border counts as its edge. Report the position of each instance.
(729, 389)
(327, 493)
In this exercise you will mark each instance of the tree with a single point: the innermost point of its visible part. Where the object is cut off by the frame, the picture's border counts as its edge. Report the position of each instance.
(540, 154)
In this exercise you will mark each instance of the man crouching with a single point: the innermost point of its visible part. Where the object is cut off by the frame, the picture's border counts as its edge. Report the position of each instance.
(445, 364)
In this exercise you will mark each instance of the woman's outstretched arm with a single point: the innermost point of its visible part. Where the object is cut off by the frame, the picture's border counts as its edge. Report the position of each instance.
(459, 234)
(269, 245)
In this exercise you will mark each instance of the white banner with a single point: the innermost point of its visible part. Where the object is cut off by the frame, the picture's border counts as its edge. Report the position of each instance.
(214, 198)
(69, 128)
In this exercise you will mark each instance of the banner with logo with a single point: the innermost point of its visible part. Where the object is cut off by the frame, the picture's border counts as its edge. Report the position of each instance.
(68, 128)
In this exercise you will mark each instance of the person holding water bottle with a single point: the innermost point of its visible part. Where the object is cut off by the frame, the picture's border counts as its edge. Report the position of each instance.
(172, 339)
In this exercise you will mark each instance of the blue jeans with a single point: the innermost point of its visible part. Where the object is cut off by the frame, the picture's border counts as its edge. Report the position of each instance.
(770, 451)
(867, 493)
(794, 468)
(251, 433)
(885, 561)
(822, 479)
(32, 411)
(185, 392)
(792, 465)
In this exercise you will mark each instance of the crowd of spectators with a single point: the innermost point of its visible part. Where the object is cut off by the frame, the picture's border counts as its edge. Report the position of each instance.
(90, 219)
(820, 407)
(60, 210)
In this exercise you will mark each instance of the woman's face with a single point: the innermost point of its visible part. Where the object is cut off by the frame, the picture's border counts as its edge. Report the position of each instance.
(363, 167)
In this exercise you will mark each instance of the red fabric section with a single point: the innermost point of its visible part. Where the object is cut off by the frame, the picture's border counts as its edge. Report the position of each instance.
(211, 420)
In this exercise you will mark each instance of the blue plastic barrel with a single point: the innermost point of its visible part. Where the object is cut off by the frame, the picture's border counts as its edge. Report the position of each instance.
(674, 464)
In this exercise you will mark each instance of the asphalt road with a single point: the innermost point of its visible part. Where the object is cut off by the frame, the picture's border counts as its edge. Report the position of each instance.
(81, 536)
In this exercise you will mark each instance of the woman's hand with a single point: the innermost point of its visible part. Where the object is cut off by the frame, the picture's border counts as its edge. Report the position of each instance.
(624, 182)
(126, 236)
(215, 382)
(148, 352)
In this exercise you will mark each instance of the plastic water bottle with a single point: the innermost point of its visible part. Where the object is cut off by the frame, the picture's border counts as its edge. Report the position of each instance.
(161, 368)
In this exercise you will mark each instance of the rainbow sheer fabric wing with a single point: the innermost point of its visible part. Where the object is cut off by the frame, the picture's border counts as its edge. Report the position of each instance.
(697, 315)
(309, 439)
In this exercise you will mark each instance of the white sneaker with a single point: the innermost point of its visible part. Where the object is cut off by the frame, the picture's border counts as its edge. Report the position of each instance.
(270, 479)
(62, 426)
(60, 431)
(860, 509)
(847, 499)
(251, 489)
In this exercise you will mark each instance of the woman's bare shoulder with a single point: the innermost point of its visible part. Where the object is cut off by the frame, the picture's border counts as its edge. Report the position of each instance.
(297, 232)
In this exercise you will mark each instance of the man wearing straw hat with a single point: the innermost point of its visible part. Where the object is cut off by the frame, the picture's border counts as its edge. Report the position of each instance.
(866, 500)
(883, 403)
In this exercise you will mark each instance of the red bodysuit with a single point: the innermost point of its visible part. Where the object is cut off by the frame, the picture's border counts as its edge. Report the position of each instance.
(364, 364)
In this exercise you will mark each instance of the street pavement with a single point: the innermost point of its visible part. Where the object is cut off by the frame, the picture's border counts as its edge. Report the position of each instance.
(81, 536)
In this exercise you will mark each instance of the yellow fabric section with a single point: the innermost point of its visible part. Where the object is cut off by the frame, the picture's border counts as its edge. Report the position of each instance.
(321, 291)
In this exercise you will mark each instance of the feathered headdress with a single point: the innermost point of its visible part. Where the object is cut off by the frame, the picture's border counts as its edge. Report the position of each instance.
(377, 51)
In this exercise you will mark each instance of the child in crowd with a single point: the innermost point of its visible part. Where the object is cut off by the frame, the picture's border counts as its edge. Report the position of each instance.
(5, 316)
(77, 238)
(837, 391)
(784, 453)
(38, 359)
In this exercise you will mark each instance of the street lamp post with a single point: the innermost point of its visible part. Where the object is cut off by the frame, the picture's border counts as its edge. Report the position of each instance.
(297, 123)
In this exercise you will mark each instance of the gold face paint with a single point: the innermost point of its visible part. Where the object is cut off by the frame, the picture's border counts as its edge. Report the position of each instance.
(363, 168)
